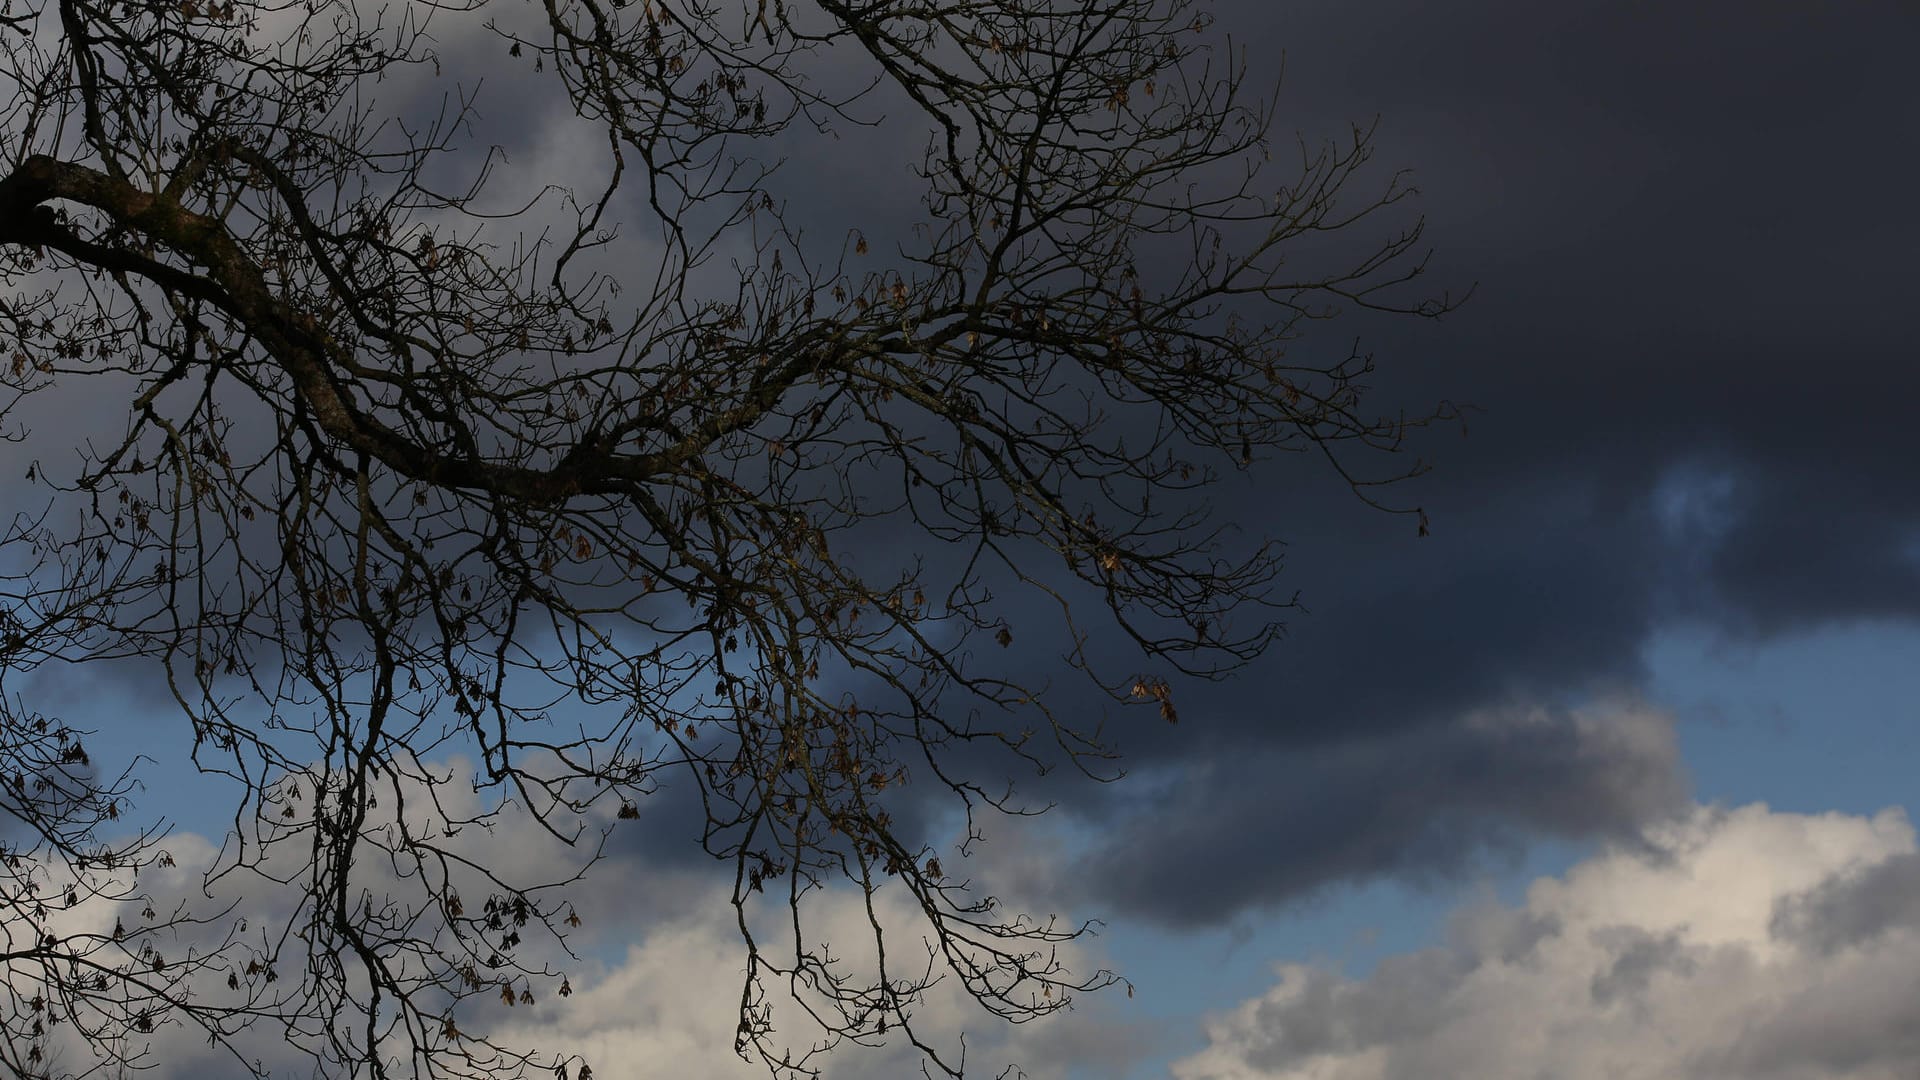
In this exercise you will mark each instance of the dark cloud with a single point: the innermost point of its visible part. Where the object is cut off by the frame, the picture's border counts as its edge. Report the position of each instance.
(1692, 381)
(1259, 828)
(1691, 371)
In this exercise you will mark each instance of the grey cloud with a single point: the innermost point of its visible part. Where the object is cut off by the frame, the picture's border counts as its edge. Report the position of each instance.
(1637, 957)
(1507, 935)
(1869, 1027)
(1854, 910)
(1268, 828)
(1332, 1016)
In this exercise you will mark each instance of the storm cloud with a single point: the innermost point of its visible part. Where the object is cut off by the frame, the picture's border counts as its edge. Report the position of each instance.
(1689, 382)
(1689, 379)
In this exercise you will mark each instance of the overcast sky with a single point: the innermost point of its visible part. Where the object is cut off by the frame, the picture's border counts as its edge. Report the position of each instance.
(1612, 772)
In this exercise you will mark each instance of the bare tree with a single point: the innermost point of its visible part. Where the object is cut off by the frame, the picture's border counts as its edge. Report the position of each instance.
(409, 463)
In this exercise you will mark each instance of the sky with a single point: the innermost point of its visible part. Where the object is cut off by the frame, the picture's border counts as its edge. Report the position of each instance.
(1612, 774)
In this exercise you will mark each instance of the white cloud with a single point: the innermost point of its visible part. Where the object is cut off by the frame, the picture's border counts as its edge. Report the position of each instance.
(1748, 944)
(671, 1002)
(656, 987)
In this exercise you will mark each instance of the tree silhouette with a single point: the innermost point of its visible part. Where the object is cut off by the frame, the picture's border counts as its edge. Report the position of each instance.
(594, 484)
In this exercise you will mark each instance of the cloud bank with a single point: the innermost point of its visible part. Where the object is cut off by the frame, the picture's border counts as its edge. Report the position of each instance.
(1749, 944)
(1270, 827)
